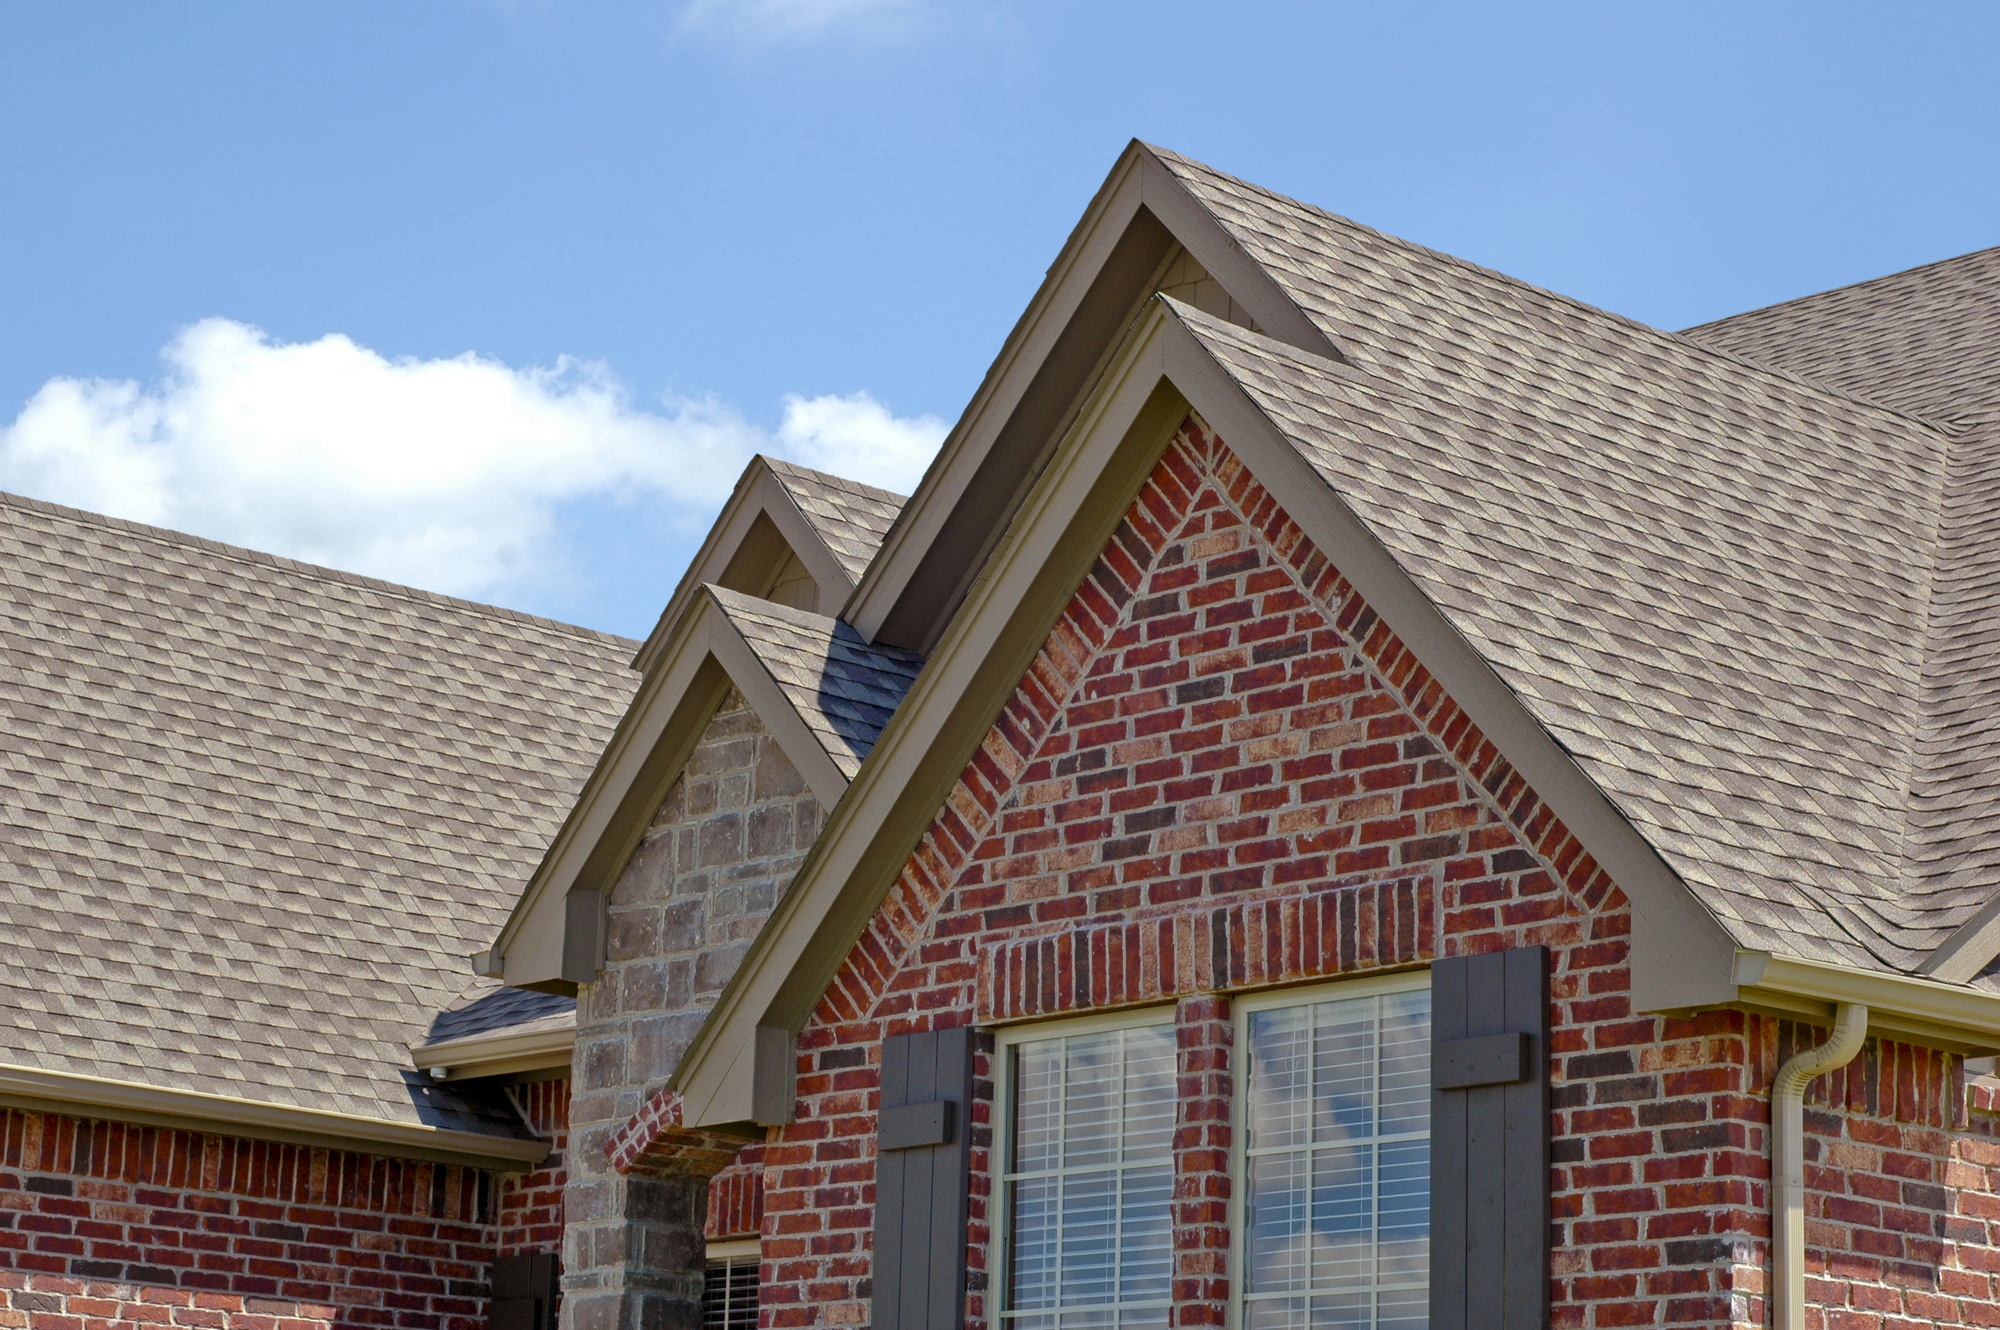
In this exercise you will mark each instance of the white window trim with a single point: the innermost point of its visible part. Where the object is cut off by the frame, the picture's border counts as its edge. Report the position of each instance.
(735, 1249)
(1000, 1235)
(1241, 1007)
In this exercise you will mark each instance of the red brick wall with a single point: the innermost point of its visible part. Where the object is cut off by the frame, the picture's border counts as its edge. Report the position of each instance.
(103, 1221)
(531, 1203)
(1223, 771)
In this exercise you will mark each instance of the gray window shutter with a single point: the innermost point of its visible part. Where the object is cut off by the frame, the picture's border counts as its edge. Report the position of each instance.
(1490, 1141)
(922, 1168)
(524, 1292)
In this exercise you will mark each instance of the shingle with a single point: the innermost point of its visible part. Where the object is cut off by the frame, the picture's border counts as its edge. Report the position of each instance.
(256, 815)
(845, 688)
(852, 518)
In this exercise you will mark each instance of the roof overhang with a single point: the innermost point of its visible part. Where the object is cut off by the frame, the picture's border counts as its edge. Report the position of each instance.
(552, 940)
(1139, 220)
(1682, 956)
(745, 545)
(1924, 1011)
(193, 1110)
(542, 1045)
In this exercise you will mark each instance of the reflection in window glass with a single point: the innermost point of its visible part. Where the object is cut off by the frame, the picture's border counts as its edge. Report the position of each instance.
(1090, 1181)
(1337, 1153)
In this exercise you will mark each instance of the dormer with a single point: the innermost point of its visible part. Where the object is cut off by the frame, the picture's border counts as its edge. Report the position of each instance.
(790, 535)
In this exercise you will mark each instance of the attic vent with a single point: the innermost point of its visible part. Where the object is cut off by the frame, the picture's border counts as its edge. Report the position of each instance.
(1188, 282)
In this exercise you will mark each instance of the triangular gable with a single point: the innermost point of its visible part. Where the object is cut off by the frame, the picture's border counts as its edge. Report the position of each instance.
(788, 534)
(822, 692)
(1682, 955)
(1143, 232)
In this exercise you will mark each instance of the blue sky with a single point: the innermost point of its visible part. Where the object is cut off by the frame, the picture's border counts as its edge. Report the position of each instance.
(495, 296)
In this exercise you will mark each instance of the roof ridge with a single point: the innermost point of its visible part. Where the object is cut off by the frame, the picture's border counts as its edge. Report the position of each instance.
(244, 554)
(1626, 320)
(781, 464)
(1844, 286)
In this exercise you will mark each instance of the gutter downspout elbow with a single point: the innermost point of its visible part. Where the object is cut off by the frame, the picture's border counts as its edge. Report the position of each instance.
(1787, 1295)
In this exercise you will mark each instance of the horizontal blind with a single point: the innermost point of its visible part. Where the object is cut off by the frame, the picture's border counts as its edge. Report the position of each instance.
(1089, 1179)
(1337, 1157)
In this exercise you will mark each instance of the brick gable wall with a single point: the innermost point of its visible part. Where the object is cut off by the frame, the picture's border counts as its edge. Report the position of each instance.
(1222, 771)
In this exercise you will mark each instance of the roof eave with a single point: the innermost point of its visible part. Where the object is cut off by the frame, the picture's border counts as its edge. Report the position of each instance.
(193, 1110)
(542, 1045)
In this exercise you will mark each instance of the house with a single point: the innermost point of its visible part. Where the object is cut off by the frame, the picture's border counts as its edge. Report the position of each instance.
(1356, 792)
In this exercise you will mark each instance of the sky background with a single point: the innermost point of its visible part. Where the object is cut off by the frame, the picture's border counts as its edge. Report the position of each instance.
(496, 297)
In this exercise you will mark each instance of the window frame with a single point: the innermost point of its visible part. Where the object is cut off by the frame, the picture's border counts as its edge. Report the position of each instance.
(1000, 1235)
(1242, 1006)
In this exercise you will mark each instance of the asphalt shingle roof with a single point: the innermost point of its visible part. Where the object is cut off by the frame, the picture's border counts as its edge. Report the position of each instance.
(1928, 341)
(255, 815)
(1712, 580)
(852, 518)
(845, 688)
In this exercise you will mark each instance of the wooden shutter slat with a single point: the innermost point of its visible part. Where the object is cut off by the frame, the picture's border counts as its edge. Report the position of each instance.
(921, 1188)
(1489, 1141)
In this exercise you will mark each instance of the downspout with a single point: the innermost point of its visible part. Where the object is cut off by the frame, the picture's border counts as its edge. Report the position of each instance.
(1788, 1161)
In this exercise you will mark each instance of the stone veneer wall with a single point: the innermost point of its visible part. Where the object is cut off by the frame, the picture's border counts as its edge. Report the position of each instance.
(1222, 772)
(719, 853)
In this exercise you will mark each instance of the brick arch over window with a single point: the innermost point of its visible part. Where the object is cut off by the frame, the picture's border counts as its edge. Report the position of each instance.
(1221, 771)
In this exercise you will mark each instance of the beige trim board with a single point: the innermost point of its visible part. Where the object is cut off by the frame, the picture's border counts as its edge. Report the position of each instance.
(541, 1045)
(1920, 1010)
(733, 554)
(1682, 955)
(1049, 365)
(703, 656)
(194, 1110)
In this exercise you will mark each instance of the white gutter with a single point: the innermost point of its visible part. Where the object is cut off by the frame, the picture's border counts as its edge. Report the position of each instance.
(196, 1110)
(543, 1045)
(1788, 1166)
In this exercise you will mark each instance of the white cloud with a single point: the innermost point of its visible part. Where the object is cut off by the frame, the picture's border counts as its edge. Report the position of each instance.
(447, 474)
(798, 20)
(856, 436)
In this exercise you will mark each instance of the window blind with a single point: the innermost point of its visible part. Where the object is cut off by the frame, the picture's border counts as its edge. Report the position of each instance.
(729, 1295)
(1089, 1180)
(1337, 1161)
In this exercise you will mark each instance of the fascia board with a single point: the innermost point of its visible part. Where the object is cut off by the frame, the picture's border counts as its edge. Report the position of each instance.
(724, 537)
(531, 947)
(193, 1110)
(1966, 1019)
(537, 1046)
(758, 492)
(1055, 302)
(746, 669)
(1682, 956)
(538, 915)
(926, 744)
(1138, 180)
(1970, 948)
(782, 506)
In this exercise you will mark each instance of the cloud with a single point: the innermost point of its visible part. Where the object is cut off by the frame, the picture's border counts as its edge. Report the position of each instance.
(798, 20)
(451, 474)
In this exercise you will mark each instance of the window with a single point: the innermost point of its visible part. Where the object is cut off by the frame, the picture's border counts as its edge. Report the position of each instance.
(1087, 1175)
(1334, 1158)
(729, 1293)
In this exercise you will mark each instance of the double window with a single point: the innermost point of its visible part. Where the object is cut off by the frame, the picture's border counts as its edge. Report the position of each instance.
(1331, 1202)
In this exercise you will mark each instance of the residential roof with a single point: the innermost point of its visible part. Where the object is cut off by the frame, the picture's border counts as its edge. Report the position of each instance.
(254, 815)
(845, 689)
(1725, 587)
(1924, 341)
(849, 516)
